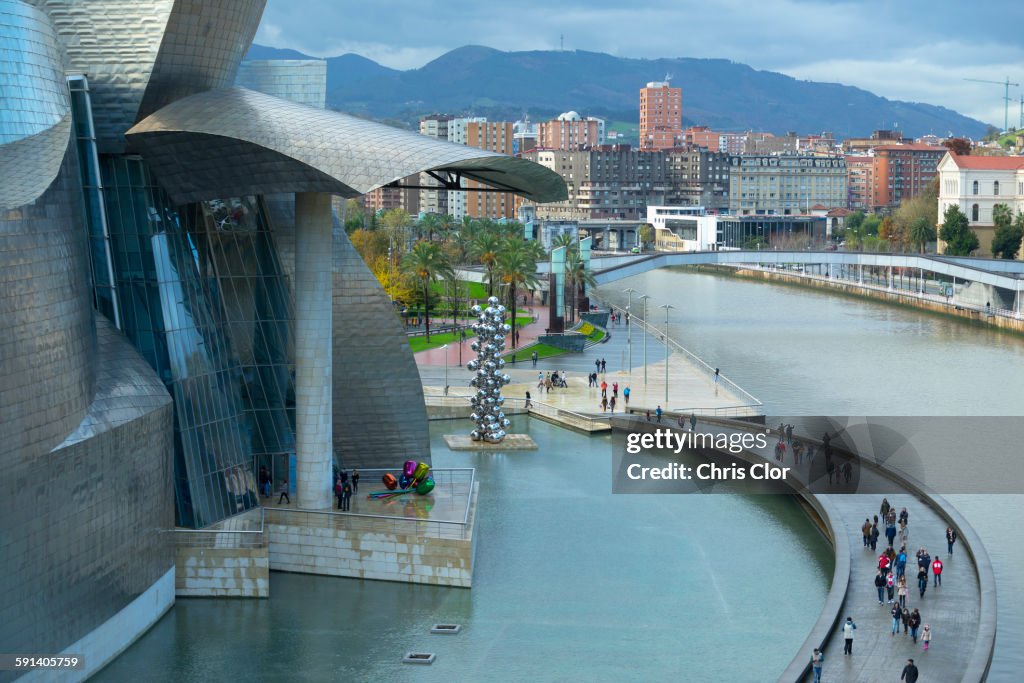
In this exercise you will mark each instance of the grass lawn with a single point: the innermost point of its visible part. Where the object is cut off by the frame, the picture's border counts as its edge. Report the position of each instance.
(543, 351)
(477, 290)
(418, 344)
(597, 335)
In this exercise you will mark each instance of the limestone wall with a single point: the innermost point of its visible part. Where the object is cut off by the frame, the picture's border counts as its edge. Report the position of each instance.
(222, 572)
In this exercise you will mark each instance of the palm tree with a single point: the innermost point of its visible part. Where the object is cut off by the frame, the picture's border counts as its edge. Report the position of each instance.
(515, 267)
(485, 248)
(570, 242)
(430, 223)
(577, 276)
(427, 262)
(922, 232)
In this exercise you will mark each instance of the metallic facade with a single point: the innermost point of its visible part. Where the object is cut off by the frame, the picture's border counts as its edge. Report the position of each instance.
(147, 352)
(298, 80)
(237, 142)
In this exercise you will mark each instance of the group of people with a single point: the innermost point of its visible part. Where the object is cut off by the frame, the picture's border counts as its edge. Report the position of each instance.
(344, 488)
(609, 402)
(556, 379)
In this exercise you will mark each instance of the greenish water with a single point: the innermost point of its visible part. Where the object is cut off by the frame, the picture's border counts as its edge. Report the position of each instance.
(571, 583)
(807, 352)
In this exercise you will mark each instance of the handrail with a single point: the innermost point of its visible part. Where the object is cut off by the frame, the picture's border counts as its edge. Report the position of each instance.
(590, 419)
(753, 400)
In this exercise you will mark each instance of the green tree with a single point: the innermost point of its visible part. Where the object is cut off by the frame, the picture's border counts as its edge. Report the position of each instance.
(429, 224)
(426, 263)
(485, 248)
(871, 225)
(396, 223)
(855, 220)
(646, 234)
(1007, 238)
(354, 216)
(921, 233)
(515, 267)
(956, 233)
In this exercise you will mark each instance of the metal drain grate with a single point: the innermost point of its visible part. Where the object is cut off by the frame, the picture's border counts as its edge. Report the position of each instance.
(419, 658)
(448, 629)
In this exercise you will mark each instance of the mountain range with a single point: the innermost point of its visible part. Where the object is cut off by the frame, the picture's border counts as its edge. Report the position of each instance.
(725, 95)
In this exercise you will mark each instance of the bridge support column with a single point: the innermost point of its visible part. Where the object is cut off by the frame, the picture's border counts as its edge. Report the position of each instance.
(860, 274)
(890, 277)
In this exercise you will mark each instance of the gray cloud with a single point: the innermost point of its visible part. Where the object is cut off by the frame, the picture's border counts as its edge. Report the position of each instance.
(917, 50)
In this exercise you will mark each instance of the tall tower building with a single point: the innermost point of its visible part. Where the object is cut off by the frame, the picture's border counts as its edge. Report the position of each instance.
(661, 116)
(495, 136)
(434, 201)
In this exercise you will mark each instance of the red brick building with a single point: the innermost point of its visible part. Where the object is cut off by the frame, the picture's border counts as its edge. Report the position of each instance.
(661, 116)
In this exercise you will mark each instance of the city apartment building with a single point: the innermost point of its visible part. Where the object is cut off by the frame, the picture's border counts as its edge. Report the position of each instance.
(976, 184)
(786, 184)
(386, 198)
(661, 116)
(571, 131)
(697, 177)
(434, 201)
(901, 172)
(878, 137)
(494, 136)
(714, 141)
(860, 182)
(611, 182)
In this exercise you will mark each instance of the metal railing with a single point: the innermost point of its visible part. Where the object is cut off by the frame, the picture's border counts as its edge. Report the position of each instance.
(224, 537)
(752, 410)
(588, 422)
(396, 524)
(721, 379)
(867, 283)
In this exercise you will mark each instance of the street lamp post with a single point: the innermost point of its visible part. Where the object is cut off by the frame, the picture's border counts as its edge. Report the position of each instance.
(629, 334)
(445, 349)
(644, 298)
(667, 307)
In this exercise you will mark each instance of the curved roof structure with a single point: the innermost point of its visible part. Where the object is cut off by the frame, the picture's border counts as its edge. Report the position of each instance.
(233, 142)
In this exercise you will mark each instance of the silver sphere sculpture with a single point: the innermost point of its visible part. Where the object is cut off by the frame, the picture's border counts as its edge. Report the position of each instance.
(488, 378)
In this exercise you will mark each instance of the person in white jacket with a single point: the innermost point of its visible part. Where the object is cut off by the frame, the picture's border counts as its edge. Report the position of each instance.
(848, 628)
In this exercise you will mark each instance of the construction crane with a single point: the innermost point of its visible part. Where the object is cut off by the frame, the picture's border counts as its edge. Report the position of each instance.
(1006, 97)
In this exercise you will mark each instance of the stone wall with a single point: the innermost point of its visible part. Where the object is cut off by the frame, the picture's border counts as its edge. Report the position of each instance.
(222, 572)
(372, 548)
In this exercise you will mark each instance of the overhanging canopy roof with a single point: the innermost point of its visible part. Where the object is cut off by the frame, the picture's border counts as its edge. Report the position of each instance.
(234, 141)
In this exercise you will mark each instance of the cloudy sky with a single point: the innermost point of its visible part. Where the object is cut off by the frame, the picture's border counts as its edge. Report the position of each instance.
(917, 50)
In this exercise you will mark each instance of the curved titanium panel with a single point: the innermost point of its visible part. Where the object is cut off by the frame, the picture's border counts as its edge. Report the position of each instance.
(47, 339)
(265, 145)
(84, 527)
(35, 112)
(141, 54)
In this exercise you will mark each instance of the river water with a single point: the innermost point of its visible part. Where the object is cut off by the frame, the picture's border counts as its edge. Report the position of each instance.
(807, 352)
(571, 583)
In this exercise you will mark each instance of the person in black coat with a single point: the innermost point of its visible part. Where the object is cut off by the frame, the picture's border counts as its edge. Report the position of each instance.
(909, 672)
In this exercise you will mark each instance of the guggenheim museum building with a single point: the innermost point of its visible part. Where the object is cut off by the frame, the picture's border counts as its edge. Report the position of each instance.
(178, 306)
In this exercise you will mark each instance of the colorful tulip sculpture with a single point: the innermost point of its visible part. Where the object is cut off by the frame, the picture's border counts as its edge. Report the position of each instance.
(415, 478)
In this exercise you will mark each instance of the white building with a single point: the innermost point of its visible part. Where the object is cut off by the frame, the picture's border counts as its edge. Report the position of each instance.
(978, 183)
(683, 228)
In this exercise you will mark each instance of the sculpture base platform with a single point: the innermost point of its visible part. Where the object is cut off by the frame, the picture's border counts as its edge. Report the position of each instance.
(511, 442)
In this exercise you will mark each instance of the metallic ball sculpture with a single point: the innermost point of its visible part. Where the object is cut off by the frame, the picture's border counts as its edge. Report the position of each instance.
(490, 330)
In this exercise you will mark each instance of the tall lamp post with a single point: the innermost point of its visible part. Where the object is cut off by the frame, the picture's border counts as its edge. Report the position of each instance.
(629, 335)
(445, 349)
(644, 298)
(667, 307)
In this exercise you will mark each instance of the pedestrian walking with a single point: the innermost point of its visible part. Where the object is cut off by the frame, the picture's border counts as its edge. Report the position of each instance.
(337, 491)
(922, 580)
(716, 375)
(897, 619)
(528, 403)
(346, 496)
(901, 562)
(890, 533)
(658, 411)
(848, 628)
(906, 620)
(355, 481)
(615, 389)
(909, 672)
(604, 366)
(865, 532)
(540, 380)
(937, 571)
(625, 396)
(950, 539)
(817, 659)
(880, 585)
(648, 414)
(283, 490)
(926, 636)
(904, 516)
(915, 623)
(533, 357)
(901, 591)
(611, 403)
(890, 587)
(884, 509)
(904, 533)
(597, 364)
(604, 389)
(874, 536)
(884, 563)
(604, 404)
(693, 422)
(789, 434)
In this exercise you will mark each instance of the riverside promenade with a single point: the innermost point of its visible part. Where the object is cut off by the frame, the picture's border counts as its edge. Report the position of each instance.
(961, 612)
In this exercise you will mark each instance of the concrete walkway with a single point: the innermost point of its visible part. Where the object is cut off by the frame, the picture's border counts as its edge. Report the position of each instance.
(690, 389)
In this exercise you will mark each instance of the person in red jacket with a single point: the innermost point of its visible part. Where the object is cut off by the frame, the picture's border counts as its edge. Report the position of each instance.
(937, 571)
(883, 563)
